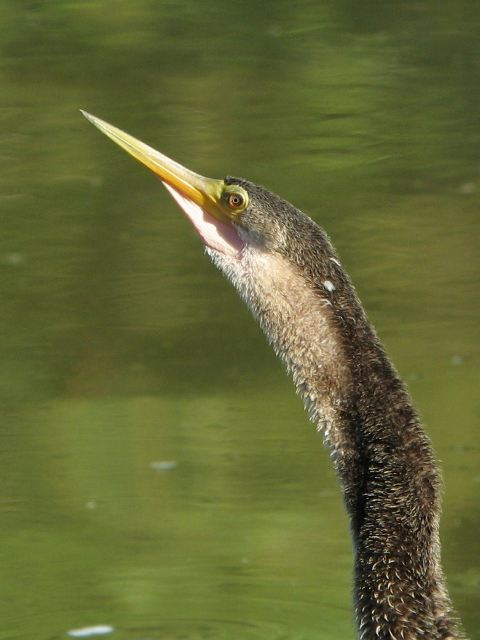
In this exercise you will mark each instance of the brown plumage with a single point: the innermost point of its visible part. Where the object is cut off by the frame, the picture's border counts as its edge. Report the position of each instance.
(294, 283)
(285, 268)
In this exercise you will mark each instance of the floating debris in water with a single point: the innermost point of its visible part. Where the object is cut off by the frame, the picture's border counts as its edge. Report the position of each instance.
(456, 360)
(467, 188)
(163, 465)
(91, 504)
(325, 493)
(14, 259)
(88, 632)
(95, 182)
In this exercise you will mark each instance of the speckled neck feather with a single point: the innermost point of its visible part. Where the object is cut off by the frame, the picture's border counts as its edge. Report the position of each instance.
(309, 311)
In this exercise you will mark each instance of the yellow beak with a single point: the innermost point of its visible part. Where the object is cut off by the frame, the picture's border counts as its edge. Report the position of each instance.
(205, 192)
(200, 198)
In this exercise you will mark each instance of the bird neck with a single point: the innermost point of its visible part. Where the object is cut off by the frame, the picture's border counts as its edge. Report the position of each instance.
(383, 457)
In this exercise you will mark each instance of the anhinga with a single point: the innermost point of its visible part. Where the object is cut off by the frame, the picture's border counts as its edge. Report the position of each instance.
(285, 268)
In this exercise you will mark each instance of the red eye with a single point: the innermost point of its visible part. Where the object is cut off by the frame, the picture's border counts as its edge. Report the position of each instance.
(236, 200)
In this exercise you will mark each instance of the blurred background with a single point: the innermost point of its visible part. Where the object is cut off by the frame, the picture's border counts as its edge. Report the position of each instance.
(157, 472)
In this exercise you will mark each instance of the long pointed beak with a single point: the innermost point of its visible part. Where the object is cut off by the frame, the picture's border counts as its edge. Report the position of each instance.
(199, 197)
(205, 192)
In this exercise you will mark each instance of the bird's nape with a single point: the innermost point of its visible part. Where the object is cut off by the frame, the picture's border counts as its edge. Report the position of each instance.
(285, 268)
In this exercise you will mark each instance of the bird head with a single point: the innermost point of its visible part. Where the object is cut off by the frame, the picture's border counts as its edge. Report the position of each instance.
(279, 260)
(231, 215)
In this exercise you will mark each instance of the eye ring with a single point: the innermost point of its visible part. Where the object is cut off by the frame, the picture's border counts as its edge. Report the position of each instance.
(236, 200)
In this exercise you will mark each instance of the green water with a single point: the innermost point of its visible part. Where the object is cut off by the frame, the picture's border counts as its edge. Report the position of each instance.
(157, 471)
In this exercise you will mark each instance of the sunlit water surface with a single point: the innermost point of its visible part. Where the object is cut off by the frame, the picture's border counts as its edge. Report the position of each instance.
(159, 477)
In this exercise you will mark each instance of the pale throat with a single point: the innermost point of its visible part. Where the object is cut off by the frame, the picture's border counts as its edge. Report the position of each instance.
(298, 323)
(220, 236)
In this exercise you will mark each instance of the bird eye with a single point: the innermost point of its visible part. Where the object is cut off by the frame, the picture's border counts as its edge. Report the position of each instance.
(236, 201)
